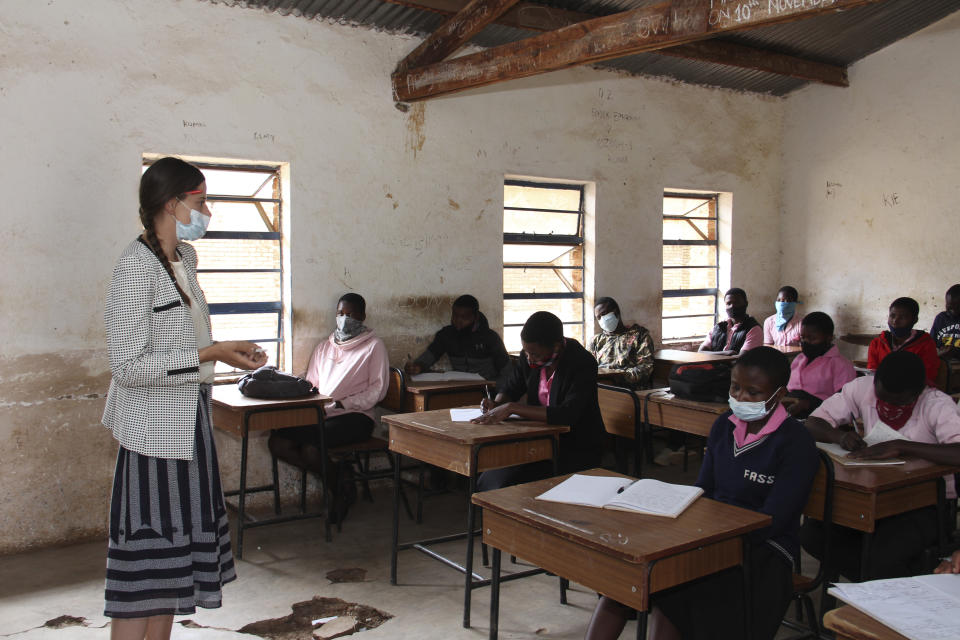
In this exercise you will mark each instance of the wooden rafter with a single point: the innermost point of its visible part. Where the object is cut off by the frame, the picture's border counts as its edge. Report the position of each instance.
(455, 32)
(651, 28)
(532, 16)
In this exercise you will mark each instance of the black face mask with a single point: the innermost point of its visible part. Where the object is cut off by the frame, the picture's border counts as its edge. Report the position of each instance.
(737, 313)
(814, 350)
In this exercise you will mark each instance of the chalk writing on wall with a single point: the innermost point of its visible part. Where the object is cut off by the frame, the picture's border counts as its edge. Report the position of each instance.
(890, 199)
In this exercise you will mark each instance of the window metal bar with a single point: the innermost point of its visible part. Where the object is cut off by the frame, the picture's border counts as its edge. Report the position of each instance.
(553, 295)
(239, 270)
(244, 307)
(672, 217)
(246, 168)
(569, 211)
(701, 315)
(521, 265)
(689, 293)
(572, 322)
(242, 235)
(542, 238)
(241, 199)
(690, 196)
(689, 243)
(691, 266)
(544, 185)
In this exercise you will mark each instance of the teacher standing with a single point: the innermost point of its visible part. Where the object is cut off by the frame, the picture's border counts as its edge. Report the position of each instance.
(169, 547)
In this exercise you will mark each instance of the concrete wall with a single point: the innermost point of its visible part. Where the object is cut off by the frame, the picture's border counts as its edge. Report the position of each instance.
(402, 207)
(870, 190)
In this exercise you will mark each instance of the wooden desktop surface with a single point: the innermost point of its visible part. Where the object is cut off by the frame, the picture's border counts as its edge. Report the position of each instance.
(690, 416)
(863, 495)
(852, 624)
(612, 551)
(229, 406)
(431, 436)
(423, 396)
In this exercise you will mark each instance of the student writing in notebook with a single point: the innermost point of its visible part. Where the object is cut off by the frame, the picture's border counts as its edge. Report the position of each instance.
(628, 350)
(783, 328)
(758, 458)
(468, 342)
(949, 565)
(739, 332)
(901, 336)
(553, 381)
(928, 419)
(819, 371)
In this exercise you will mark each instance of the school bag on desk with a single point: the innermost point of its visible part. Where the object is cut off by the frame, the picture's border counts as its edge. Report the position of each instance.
(267, 383)
(701, 381)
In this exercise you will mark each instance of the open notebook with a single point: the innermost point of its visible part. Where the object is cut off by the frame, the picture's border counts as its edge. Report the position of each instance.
(879, 433)
(920, 608)
(647, 496)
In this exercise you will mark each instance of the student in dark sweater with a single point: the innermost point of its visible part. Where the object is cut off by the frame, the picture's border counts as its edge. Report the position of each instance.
(946, 326)
(558, 379)
(739, 332)
(761, 459)
(468, 341)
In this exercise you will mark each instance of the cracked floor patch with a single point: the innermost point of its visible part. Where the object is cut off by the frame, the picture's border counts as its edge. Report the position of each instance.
(347, 575)
(299, 624)
(62, 622)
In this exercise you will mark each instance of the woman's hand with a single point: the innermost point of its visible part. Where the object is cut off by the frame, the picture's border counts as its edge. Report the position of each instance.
(236, 353)
(851, 441)
(496, 415)
(949, 565)
(882, 451)
(796, 406)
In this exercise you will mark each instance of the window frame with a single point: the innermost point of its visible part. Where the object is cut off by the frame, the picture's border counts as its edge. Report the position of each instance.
(715, 243)
(248, 308)
(543, 239)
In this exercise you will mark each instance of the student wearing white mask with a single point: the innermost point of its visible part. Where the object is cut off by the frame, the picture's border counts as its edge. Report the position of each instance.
(351, 366)
(628, 350)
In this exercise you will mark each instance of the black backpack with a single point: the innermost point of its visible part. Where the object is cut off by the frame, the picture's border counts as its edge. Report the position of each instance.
(701, 381)
(269, 384)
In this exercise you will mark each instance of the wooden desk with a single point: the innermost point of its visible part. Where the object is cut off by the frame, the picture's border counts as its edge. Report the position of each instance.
(790, 351)
(864, 495)
(424, 396)
(626, 556)
(665, 359)
(607, 375)
(663, 409)
(466, 449)
(852, 624)
(238, 415)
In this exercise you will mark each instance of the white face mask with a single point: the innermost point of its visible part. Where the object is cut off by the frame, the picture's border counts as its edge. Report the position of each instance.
(197, 227)
(751, 411)
(609, 322)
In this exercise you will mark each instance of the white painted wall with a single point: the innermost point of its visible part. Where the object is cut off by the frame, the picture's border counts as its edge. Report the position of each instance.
(402, 207)
(871, 194)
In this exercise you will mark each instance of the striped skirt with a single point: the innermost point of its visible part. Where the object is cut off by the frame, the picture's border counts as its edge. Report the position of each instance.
(169, 549)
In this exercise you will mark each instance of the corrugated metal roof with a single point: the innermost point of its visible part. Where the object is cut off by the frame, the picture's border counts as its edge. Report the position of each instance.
(837, 38)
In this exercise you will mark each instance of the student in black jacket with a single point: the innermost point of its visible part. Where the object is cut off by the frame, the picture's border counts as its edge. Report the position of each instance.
(557, 380)
(469, 342)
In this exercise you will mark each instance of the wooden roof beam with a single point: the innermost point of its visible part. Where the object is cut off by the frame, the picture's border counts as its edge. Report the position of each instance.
(651, 28)
(455, 32)
(532, 16)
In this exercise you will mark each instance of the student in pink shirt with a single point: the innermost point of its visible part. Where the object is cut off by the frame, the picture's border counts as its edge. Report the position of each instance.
(739, 332)
(929, 419)
(351, 366)
(819, 371)
(783, 328)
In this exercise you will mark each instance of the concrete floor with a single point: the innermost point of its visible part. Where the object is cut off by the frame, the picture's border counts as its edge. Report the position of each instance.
(287, 563)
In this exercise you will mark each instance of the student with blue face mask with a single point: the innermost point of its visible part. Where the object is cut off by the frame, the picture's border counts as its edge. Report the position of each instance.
(783, 328)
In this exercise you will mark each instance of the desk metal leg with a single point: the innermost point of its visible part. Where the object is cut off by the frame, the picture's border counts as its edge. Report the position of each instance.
(242, 495)
(471, 523)
(747, 593)
(495, 596)
(866, 542)
(642, 617)
(396, 519)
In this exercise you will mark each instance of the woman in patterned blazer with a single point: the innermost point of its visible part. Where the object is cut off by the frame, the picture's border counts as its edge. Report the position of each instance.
(169, 547)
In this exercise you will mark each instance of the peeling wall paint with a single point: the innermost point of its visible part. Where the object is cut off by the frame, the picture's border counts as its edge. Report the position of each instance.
(403, 207)
(870, 186)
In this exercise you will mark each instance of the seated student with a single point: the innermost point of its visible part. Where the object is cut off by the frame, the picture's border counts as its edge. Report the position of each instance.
(903, 315)
(558, 377)
(899, 397)
(758, 458)
(783, 328)
(819, 371)
(469, 342)
(946, 326)
(628, 350)
(351, 366)
(739, 332)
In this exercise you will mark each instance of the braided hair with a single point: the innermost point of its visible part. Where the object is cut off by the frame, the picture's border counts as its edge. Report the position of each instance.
(165, 179)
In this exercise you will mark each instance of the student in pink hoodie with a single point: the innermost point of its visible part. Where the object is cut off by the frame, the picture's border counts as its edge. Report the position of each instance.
(820, 371)
(351, 366)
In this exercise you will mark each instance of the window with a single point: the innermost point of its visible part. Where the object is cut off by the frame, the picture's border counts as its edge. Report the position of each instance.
(240, 257)
(690, 265)
(542, 256)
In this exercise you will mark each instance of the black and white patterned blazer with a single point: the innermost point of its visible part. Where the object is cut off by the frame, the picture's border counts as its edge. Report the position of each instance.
(152, 402)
